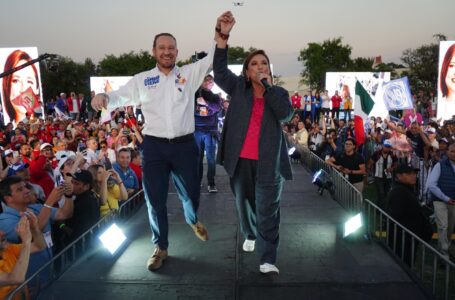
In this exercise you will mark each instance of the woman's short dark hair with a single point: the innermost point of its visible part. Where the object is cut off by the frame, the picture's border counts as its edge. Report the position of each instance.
(247, 62)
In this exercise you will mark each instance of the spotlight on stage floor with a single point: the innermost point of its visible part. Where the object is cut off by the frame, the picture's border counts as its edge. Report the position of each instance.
(323, 181)
(293, 153)
(352, 225)
(113, 238)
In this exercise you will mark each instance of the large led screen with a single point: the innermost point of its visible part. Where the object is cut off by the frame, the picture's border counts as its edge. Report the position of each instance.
(446, 82)
(344, 83)
(21, 90)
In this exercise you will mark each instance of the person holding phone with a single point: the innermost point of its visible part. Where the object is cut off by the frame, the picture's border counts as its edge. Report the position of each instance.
(92, 148)
(105, 153)
(110, 188)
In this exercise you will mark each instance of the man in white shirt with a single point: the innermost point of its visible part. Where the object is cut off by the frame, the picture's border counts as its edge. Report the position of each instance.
(106, 152)
(92, 147)
(166, 94)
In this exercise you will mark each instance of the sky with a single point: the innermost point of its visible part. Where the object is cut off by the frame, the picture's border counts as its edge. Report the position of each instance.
(94, 28)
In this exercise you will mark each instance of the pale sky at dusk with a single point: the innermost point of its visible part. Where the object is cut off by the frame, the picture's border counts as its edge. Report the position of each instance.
(93, 28)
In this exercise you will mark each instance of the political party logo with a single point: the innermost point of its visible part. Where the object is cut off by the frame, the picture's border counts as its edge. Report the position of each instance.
(397, 95)
(151, 82)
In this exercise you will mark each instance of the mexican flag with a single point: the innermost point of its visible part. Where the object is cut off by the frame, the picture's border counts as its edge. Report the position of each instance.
(363, 105)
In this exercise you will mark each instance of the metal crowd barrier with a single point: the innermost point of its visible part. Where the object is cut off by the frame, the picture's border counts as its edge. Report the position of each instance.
(343, 191)
(424, 171)
(63, 260)
(421, 260)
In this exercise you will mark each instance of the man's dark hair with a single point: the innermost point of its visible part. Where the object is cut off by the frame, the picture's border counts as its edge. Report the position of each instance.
(160, 35)
(5, 186)
(22, 145)
(351, 140)
(134, 154)
(33, 143)
(331, 130)
(126, 149)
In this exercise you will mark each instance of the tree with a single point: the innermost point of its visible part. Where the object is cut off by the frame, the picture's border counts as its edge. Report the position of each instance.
(277, 80)
(423, 67)
(127, 64)
(422, 64)
(362, 64)
(237, 55)
(69, 76)
(317, 59)
(440, 37)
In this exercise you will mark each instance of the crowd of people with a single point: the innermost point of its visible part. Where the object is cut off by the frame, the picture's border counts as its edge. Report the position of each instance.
(62, 171)
(67, 169)
(412, 138)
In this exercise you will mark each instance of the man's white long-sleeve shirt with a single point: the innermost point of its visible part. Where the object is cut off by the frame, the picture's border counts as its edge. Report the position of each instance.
(167, 100)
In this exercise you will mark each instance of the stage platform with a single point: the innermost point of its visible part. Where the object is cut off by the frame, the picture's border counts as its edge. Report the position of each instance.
(314, 261)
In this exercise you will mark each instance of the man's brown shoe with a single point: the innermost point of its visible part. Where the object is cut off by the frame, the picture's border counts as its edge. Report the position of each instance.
(200, 231)
(156, 260)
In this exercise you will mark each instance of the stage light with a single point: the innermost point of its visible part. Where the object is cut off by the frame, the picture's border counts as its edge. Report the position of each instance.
(291, 151)
(352, 225)
(323, 181)
(112, 238)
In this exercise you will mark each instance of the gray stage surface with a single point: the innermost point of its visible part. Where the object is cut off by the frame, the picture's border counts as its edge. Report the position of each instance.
(314, 261)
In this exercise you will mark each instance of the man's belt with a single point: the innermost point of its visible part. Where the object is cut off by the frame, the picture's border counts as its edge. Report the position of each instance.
(176, 140)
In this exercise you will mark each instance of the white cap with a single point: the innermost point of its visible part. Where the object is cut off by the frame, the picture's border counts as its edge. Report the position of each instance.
(431, 130)
(8, 152)
(44, 146)
(63, 156)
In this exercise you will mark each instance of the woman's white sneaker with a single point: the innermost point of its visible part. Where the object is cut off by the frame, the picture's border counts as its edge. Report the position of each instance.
(248, 245)
(267, 268)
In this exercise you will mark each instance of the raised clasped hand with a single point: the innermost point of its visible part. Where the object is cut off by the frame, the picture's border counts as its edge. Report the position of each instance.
(225, 22)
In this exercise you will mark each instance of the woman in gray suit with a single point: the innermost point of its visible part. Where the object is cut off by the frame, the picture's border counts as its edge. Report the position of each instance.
(253, 148)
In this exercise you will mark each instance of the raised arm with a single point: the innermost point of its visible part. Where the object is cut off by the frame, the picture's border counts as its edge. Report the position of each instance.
(66, 211)
(223, 76)
(17, 275)
(38, 242)
(46, 211)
